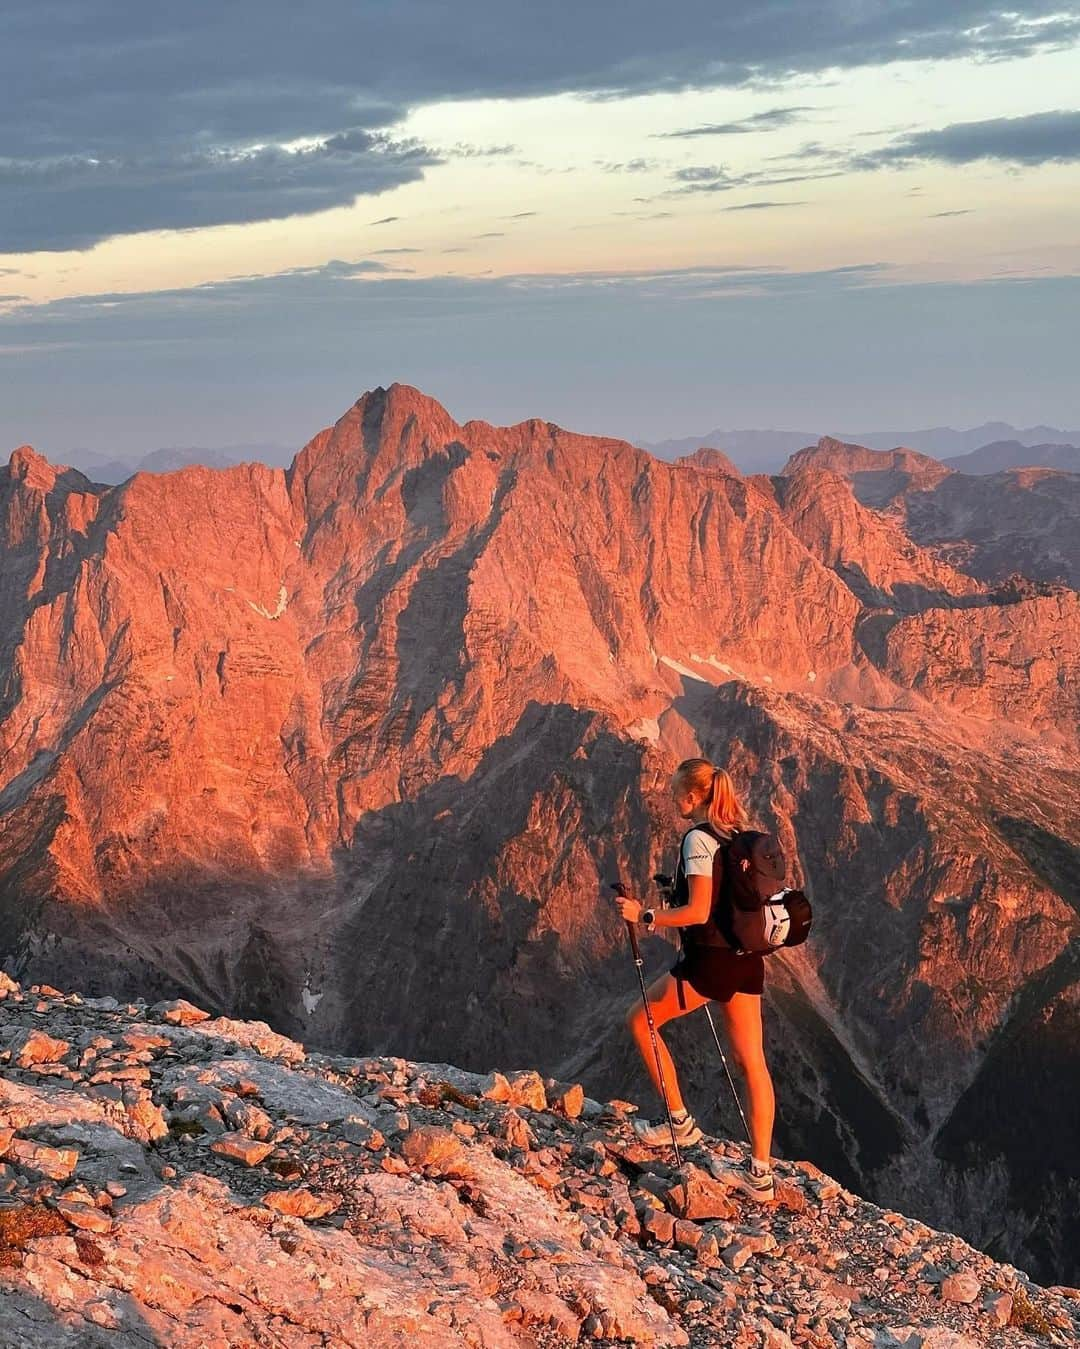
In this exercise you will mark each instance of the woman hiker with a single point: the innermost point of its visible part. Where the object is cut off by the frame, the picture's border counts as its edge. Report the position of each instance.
(703, 973)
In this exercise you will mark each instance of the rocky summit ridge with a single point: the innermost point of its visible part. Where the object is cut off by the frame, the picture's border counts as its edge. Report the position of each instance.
(172, 1179)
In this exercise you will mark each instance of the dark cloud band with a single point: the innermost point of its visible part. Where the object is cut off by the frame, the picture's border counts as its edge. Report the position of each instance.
(76, 201)
(1040, 138)
(769, 120)
(119, 118)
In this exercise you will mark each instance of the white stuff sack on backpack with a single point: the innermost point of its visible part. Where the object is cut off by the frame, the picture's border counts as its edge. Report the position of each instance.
(776, 919)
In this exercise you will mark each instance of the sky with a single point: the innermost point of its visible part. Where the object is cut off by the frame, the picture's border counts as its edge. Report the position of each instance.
(221, 224)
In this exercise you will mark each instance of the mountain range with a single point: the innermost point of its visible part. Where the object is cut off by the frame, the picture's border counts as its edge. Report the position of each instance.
(988, 448)
(354, 747)
(1001, 455)
(115, 469)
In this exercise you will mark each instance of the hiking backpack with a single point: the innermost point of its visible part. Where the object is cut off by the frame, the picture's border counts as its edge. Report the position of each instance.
(753, 911)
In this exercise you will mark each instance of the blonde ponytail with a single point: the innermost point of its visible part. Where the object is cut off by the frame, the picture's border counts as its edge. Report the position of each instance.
(725, 812)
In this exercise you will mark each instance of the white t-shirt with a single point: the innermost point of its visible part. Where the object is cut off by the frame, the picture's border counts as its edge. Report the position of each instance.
(698, 850)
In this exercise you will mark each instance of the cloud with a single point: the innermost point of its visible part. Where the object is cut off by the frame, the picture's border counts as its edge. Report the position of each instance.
(715, 178)
(334, 283)
(763, 205)
(208, 113)
(638, 165)
(1038, 138)
(398, 250)
(386, 220)
(707, 178)
(758, 121)
(519, 215)
(277, 357)
(465, 150)
(333, 267)
(943, 215)
(76, 200)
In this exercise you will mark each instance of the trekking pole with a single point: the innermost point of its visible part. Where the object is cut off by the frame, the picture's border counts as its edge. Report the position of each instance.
(731, 1084)
(652, 1036)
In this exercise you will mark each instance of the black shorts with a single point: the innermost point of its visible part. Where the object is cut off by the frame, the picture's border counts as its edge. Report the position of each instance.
(717, 972)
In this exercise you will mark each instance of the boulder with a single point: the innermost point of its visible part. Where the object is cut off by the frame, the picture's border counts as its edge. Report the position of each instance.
(434, 1149)
(961, 1287)
(697, 1195)
(31, 1047)
(302, 1203)
(179, 1012)
(240, 1148)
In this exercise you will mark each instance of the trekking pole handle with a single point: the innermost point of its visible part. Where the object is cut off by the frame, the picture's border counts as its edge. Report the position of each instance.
(620, 889)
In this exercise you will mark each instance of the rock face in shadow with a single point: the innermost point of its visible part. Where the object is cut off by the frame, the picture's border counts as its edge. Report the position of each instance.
(354, 748)
(176, 1179)
(1026, 521)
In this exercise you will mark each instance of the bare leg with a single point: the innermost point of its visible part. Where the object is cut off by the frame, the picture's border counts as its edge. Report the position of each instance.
(742, 1016)
(664, 1005)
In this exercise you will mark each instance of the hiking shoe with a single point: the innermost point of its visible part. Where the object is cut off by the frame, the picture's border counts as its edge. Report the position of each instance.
(745, 1178)
(657, 1135)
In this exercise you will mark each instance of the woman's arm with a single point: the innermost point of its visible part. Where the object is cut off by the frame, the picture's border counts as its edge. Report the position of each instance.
(696, 910)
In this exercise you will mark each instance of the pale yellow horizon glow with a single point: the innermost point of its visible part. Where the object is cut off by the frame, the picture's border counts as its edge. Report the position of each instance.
(1022, 222)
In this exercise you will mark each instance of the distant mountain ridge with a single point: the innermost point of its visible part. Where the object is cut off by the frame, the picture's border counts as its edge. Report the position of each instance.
(117, 469)
(764, 451)
(989, 448)
(1001, 455)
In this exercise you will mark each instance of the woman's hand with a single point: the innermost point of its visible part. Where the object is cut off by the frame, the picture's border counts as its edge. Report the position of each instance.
(630, 909)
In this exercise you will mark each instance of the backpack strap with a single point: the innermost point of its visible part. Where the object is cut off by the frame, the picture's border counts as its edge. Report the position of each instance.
(722, 916)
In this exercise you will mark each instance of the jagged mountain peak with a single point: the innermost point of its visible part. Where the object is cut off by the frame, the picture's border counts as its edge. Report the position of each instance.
(846, 458)
(33, 472)
(27, 466)
(403, 410)
(399, 437)
(395, 403)
(711, 460)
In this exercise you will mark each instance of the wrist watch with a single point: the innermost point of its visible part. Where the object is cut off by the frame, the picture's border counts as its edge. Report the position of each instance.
(648, 917)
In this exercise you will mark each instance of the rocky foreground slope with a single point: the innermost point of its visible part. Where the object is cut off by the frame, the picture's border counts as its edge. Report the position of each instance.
(170, 1179)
